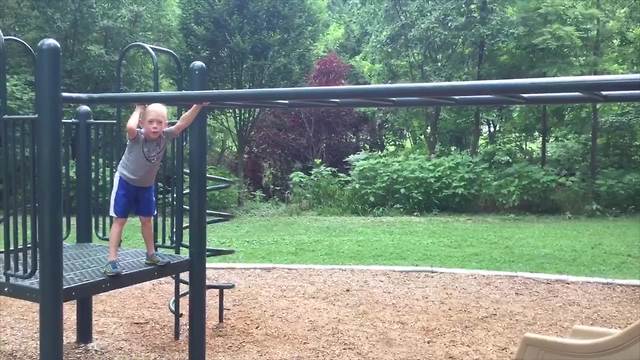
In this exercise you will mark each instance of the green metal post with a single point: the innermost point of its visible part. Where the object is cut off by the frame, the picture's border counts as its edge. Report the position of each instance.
(5, 159)
(178, 214)
(3, 77)
(197, 221)
(48, 126)
(84, 308)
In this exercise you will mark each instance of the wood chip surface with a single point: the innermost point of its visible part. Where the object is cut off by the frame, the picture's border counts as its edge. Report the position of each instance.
(333, 314)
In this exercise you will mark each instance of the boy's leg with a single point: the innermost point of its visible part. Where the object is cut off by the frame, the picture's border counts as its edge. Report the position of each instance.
(146, 226)
(114, 237)
(119, 210)
(112, 268)
(146, 209)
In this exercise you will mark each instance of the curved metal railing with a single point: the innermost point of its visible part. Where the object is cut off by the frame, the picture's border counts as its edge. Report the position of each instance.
(18, 153)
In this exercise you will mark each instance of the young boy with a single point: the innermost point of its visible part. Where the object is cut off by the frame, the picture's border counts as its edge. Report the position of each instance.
(133, 185)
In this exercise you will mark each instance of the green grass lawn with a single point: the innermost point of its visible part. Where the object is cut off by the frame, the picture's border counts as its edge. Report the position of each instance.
(607, 247)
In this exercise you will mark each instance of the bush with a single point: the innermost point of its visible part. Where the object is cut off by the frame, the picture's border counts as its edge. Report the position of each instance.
(569, 153)
(414, 183)
(522, 187)
(226, 198)
(618, 189)
(572, 195)
(503, 154)
(323, 189)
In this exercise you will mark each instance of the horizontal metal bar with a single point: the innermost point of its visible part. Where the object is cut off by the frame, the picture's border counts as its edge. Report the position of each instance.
(212, 213)
(219, 252)
(513, 97)
(19, 117)
(105, 122)
(211, 177)
(213, 220)
(211, 188)
(380, 101)
(18, 291)
(530, 99)
(67, 121)
(19, 249)
(256, 104)
(598, 83)
(216, 220)
(594, 95)
(211, 252)
(219, 214)
(439, 100)
(493, 100)
(305, 103)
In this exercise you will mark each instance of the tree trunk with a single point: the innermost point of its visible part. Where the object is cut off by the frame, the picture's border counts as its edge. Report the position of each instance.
(431, 133)
(243, 121)
(595, 121)
(477, 131)
(241, 164)
(593, 164)
(475, 141)
(492, 126)
(544, 132)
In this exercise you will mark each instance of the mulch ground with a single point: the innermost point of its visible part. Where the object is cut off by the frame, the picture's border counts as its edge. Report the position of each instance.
(334, 314)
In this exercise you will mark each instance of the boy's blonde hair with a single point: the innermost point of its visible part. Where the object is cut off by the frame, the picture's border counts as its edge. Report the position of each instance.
(158, 108)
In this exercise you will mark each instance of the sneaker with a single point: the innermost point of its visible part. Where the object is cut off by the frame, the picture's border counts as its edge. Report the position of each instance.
(112, 268)
(155, 259)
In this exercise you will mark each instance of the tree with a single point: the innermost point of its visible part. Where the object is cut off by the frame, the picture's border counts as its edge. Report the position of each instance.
(549, 42)
(91, 35)
(288, 140)
(255, 44)
(413, 41)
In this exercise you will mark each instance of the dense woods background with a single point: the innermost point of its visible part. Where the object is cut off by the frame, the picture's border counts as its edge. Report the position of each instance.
(575, 159)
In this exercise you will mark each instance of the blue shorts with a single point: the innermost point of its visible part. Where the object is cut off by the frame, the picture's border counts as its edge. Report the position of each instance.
(130, 199)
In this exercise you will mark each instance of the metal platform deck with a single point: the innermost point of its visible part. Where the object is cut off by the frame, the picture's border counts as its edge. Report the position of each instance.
(82, 272)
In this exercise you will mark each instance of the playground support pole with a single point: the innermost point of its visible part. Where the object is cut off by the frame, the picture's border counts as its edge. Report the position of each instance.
(49, 109)
(84, 308)
(197, 221)
(3, 77)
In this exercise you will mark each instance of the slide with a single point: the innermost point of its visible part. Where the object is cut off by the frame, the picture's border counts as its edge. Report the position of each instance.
(584, 343)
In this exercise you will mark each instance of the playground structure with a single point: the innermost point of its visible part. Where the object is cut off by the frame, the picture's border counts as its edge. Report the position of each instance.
(584, 342)
(41, 269)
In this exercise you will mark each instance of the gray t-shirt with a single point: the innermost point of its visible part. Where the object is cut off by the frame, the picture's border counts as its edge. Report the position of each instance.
(142, 158)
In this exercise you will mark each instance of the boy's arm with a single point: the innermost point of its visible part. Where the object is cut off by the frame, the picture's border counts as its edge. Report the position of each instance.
(134, 119)
(187, 118)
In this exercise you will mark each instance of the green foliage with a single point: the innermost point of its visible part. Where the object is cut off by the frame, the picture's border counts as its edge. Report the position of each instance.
(323, 189)
(568, 153)
(222, 199)
(522, 186)
(414, 183)
(410, 184)
(21, 96)
(618, 190)
(504, 153)
(620, 140)
(255, 44)
(91, 35)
